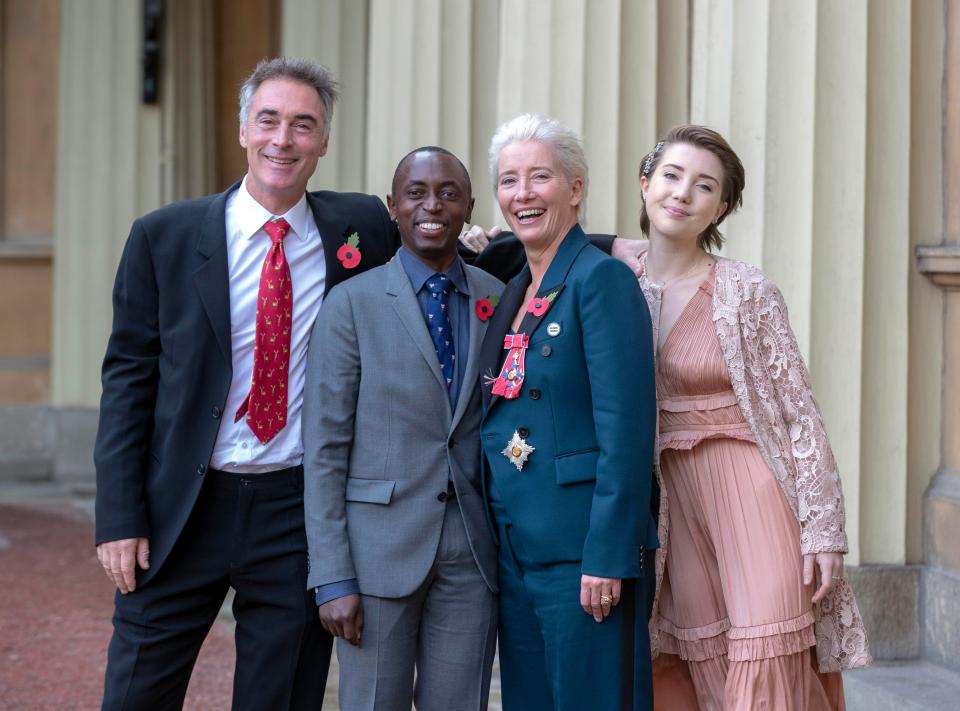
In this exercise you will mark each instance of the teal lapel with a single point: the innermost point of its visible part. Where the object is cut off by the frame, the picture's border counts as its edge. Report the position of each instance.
(560, 266)
(510, 301)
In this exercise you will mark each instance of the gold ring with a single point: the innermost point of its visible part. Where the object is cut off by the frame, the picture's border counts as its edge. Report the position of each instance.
(605, 600)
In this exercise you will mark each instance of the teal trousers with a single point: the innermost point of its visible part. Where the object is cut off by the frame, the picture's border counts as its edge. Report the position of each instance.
(553, 655)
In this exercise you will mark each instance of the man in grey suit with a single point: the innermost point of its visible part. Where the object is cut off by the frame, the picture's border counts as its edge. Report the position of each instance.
(400, 553)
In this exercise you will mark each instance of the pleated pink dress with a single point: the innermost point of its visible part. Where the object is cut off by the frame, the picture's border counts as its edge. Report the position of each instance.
(732, 604)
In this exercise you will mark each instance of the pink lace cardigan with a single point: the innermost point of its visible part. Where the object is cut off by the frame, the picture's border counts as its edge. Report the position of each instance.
(772, 386)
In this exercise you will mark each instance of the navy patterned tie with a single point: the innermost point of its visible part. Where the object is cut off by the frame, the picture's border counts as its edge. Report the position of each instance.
(438, 323)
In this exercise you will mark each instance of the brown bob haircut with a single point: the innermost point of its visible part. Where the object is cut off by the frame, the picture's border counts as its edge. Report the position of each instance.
(733, 176)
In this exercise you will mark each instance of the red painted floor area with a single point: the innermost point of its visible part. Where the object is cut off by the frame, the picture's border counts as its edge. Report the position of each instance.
(55, 610)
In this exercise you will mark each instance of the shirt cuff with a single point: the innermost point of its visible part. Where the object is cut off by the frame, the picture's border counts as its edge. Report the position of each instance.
(331, 591)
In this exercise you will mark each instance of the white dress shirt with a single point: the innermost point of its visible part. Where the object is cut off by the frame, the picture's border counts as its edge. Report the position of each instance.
(237, 449)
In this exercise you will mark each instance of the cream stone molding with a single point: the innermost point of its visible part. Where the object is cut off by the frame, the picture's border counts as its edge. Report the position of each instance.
(40, 249)
(940, 264)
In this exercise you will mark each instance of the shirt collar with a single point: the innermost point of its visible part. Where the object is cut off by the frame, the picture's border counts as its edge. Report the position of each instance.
(251, 215)
(418, 272)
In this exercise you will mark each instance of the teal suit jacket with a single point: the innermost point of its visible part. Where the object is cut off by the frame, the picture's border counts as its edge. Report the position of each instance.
(588, 406)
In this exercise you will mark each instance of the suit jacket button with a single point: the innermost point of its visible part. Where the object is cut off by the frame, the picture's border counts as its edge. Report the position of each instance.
(442, 496)
(534, 394)
(201, 469)
(215, 412)
(523, 432)
(545, 350)
(452, 442)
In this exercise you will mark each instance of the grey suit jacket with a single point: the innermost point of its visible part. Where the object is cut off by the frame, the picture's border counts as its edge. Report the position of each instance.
(379, 437)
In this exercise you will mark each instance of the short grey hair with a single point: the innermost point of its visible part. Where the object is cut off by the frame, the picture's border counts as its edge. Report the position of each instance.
(566, 144)
(301, 70)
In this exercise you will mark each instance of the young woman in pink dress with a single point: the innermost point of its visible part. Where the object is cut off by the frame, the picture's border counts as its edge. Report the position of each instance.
(752, 609)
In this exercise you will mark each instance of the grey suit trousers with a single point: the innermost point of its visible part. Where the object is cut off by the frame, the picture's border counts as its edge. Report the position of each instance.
(447, 628)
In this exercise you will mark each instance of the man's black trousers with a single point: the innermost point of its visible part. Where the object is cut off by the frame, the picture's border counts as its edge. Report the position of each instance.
(245, 532)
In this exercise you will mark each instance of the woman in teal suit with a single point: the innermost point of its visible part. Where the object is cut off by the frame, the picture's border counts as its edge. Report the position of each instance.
(568, 434)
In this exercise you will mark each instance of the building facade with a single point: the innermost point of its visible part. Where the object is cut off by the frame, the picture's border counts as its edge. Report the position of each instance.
(846, 114)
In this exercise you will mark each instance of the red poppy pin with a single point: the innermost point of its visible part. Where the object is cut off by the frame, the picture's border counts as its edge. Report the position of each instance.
(349, 252)
(485, 306)
(539, 305)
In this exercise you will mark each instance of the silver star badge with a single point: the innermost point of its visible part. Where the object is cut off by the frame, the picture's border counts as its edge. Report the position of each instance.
(517, 451)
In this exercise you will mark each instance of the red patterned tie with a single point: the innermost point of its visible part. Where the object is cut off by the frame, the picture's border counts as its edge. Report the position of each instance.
(266, 404)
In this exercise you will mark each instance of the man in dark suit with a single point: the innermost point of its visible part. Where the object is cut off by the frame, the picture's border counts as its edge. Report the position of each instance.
(198, 453)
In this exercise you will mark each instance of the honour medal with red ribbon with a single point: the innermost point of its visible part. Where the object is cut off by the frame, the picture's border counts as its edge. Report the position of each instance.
(510, 380)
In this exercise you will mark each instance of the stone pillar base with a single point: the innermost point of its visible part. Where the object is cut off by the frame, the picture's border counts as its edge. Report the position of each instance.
(941, 617)
(39, 443)
(26, 443)
(941, 576)
(889, 597)
(75, 431)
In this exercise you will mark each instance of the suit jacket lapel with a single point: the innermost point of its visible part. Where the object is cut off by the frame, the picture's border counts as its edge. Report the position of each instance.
(472, 368)
(559, 267)
(211, 278)
(491, 352)
(408, 312)
(333, 226)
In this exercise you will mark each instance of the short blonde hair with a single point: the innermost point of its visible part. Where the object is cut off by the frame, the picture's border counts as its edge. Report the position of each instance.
(564, 141)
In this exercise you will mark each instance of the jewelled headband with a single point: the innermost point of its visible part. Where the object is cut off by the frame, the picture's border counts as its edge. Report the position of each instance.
(651, 156)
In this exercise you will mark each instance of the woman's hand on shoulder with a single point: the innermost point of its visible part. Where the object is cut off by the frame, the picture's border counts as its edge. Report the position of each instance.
(598, 596)
(628, 251)
(830, 567)
(476, 238)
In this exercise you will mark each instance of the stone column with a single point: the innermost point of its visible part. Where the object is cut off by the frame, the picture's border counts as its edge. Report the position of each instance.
(829, 316)
(925, 178)
(106, 154)
(28, 104)
(187, 109)
(614, 70)
(941, 264)
(335, 33)
(97, 179)
(426, 61)
(447, 72)
(116, 159)
(886, 285)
